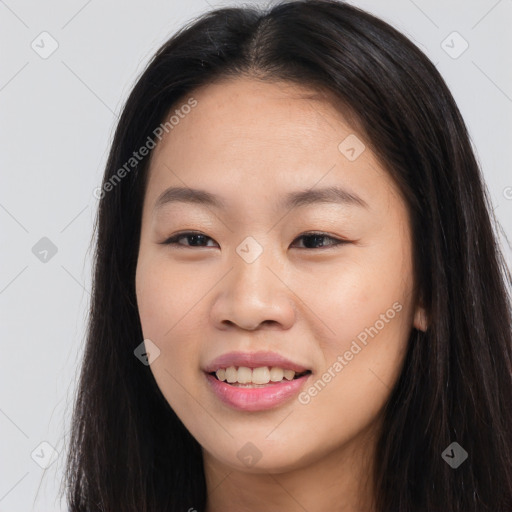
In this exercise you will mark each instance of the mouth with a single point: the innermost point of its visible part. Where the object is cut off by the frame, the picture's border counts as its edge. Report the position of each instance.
(255, 389)
(255, 381)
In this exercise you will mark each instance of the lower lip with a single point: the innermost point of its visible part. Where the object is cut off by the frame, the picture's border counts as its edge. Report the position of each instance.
(256, 399)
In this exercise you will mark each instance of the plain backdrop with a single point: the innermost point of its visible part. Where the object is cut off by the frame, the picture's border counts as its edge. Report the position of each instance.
(66, 69)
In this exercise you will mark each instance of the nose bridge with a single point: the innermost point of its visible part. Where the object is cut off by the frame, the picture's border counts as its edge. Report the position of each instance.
(251, 293)
(250, 261)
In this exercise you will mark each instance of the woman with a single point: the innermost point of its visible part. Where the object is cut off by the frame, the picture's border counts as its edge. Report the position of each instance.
(299, 302)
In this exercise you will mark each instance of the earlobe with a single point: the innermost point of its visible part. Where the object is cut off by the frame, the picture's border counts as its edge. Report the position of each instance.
(420, 319)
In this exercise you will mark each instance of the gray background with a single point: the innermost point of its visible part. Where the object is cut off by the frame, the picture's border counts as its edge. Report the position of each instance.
(57, 119)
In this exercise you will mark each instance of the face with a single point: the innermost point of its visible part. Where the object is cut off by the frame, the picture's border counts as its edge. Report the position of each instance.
(254, 280)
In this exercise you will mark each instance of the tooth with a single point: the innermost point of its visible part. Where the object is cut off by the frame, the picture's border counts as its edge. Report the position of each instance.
(261, 375)
(276, 374)
(231, 374)
(244, 375)
(289, 374)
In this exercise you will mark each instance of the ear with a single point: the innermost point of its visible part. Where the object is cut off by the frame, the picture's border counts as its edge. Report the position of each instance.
(420, 319)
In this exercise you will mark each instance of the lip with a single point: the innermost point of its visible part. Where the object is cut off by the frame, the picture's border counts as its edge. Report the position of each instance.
(254, 360)
(256, 399)
(262, 398)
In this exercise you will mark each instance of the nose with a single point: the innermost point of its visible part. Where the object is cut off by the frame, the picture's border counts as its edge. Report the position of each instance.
(253, 295)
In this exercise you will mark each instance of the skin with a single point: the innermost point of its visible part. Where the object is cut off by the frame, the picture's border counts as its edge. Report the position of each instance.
(252, 142)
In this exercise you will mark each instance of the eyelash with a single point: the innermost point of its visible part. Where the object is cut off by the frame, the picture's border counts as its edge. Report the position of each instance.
(173, 240)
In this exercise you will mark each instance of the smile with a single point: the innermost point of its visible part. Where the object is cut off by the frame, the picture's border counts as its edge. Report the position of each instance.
(252, 397)
(255, 381)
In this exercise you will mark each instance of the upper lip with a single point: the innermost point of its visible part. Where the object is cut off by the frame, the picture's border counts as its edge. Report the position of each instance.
(253, 360)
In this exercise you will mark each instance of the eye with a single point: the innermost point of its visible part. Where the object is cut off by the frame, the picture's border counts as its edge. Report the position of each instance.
(311, 240)
(196, 239)
(315, 238)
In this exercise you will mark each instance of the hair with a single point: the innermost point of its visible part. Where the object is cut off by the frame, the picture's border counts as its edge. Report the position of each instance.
(128, 449)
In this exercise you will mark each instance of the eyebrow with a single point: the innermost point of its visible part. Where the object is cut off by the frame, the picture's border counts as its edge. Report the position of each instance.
(294, 199)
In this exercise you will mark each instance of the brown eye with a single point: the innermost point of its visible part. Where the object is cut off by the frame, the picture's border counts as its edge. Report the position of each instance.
(317, 240)
(196, 239)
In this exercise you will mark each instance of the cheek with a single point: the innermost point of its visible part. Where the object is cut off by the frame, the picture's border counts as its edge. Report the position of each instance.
(349, 298)
(168, 302)
(360, 362)
(168, 310)
(364, 315)
(165, 297)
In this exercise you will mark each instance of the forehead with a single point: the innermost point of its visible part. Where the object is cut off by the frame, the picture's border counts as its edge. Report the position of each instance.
(249, 137)
(242, 116)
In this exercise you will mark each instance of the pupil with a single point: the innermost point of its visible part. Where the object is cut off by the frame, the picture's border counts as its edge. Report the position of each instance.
(314, 237)
(194, 237)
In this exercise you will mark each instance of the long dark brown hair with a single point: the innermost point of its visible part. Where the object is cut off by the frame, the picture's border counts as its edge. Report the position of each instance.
(128, 450)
